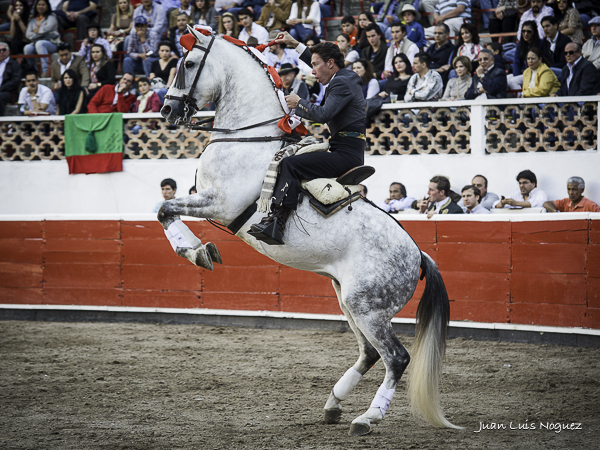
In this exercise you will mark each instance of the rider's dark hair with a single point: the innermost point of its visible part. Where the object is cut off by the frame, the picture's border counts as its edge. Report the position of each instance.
(169, 182)
(327, 51)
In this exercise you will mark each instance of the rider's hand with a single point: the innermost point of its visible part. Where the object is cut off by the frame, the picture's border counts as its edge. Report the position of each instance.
(292, 100)
(285, 38)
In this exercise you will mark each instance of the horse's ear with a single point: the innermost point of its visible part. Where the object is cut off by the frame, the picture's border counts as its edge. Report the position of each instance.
(195, 33)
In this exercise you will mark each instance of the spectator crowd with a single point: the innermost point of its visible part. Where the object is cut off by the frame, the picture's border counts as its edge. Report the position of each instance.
(403, 50)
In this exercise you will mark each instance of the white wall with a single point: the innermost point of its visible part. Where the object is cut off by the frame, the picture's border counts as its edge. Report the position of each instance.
(45, 187)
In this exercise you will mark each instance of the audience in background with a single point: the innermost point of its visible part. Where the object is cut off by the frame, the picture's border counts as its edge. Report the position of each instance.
(364, 19)
(35, 98)
(274, 15)
(350, 55)
(398, 200)
(414, 30)
(553, 45)
(280, 55)
(505, 17)
(10, 81)
(102, 70)
(228, 25)
(92, 38)
(349, 27)
(288, 74)
(68, 60)
(439, 201)
(162, 72)
(148, 100)
(467, 43)
(441, 51)
(489, 79)
(575, 202)
(580, 76)
(528, 39)
(397, 83)
(538, 79)
(18, 26)
(536, 13)
(250, 28)
(202, 14)
(176, 32)
(304, 16)
(458, 87)
(399, 45)
(376, 51)
(591, 48)
(451, 13)
(155, 15)
(168, 187)
(569, 20)
(471, 197)
(42, 31)
(364, 69)
(121, 24)
(426, 84)
(487, 198)
(141, 50)
(117, 98)
(70, 94)
(188, 7)
(77, 13)
(528, 195)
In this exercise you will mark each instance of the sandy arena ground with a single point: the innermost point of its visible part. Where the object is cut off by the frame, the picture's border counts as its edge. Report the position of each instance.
(139, 386)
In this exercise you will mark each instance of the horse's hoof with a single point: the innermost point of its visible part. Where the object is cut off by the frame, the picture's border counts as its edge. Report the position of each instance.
(359, 429)
(213, 252)
(332, 415)
(203, 259)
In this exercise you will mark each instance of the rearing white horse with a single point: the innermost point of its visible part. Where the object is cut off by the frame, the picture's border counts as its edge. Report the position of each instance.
(373, 262)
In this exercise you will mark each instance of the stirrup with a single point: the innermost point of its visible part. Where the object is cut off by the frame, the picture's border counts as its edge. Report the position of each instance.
(269, 233)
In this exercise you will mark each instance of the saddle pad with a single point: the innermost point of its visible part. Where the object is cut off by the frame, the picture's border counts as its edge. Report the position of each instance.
(327, 190)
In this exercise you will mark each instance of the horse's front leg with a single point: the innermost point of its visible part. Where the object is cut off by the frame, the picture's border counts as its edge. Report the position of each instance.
(183, 241)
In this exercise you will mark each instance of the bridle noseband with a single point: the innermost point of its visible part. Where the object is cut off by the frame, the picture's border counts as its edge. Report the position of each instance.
(188, 99)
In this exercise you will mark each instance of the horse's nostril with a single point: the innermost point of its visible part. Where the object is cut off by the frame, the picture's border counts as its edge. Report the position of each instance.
(165, 111)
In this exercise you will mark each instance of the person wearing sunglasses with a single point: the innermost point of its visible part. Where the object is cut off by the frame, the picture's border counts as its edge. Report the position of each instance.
(10, 77)
(579, 77)
(537, 12)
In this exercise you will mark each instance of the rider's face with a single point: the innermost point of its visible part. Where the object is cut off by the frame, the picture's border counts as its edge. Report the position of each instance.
(323, 71)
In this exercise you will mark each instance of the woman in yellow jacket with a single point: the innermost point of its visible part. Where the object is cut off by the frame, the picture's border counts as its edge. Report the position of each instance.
(538, 78)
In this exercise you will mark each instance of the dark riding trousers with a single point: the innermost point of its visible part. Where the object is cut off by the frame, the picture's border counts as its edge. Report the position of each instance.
(344, 110)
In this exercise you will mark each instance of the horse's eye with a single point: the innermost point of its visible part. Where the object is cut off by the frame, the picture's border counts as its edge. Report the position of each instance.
(189, 64)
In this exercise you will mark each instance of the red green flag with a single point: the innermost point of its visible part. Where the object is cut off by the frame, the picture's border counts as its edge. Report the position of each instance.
(94, 143)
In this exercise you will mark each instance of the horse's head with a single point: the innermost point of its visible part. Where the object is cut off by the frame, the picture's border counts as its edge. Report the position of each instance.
(196, 82)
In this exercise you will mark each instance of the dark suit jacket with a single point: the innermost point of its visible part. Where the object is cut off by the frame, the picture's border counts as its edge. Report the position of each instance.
(449, 208)
(585, 81)
(11, 80)
(343, 107)
(494, 82)
(79, 67)
(378, 59)
(556, 58)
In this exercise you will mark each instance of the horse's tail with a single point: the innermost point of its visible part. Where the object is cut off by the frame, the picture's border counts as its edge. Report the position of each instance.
(433, 315)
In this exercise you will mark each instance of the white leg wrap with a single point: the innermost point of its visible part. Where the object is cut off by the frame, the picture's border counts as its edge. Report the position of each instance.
(180, 235)
(382, 399)
(344, 386)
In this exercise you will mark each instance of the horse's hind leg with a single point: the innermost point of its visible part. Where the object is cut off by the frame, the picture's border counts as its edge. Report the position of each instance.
(183, 241)
(379, 332)
(367, 358)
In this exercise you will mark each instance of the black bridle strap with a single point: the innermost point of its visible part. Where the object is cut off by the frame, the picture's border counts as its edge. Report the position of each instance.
(197, 126)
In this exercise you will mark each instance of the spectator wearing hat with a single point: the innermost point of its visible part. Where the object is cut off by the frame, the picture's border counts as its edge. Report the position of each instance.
(141, 49)
(246, 19)
(575, 202)
(77, 13)
(591, 48)
(93, 37)
(288, 74)
(68, 60)
(414, 30)
(11, 77)
(155, 15)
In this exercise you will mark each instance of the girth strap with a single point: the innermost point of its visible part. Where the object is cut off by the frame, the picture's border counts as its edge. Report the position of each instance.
(240, 220)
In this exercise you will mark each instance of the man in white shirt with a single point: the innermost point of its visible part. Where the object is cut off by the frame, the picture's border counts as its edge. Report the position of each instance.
(398, 45)
(528, 196)
(246, 18)
(398, 200)
(470, 198)
(36, 99)
(425, 84)
(591, 48)
(537, 12)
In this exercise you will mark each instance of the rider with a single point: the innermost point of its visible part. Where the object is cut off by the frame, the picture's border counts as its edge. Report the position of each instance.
(343, 109)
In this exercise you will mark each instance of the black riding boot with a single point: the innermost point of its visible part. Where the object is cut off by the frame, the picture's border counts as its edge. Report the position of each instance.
(270, 229)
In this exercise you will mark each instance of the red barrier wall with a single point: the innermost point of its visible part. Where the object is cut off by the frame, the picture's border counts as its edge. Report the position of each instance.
(541, 272)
